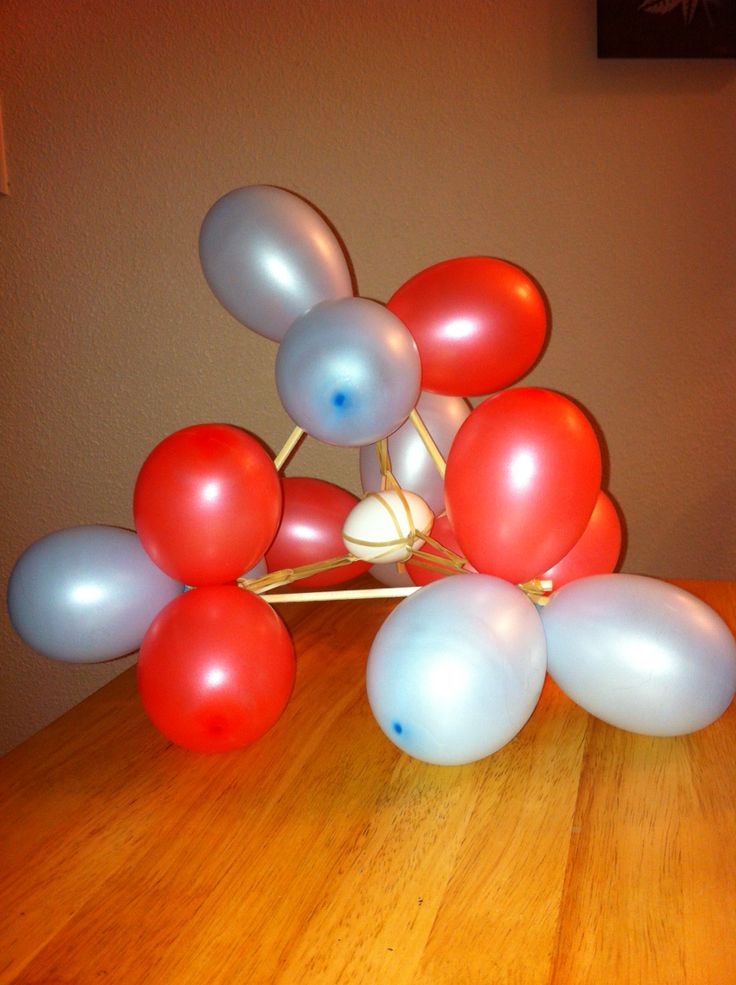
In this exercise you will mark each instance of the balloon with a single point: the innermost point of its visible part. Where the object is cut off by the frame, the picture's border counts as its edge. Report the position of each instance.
(411, 463)
(379, 528)
(258, 570)
(207, 503)
(269, 257)
(522, 479)
(311, 530)
(444, 534)
(86, 594)
(640, 654)
(390, 575)
(348, 372)
(216, 669)
(479, 323)
(457, 669)
(597, 551)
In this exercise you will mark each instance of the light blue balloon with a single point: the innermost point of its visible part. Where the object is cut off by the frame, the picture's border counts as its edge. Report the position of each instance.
(348, 372)
(640, 654)
(87, 594)
(411, 464)
(269, 257)
(457, 669)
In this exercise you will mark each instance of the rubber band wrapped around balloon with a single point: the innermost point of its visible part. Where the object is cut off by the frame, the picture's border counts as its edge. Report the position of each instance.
(490, 520)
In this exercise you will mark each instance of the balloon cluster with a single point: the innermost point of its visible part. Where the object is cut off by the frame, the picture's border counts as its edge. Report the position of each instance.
(491, 520)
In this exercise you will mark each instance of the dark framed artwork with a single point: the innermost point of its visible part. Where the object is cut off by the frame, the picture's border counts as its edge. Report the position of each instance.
(667, 28)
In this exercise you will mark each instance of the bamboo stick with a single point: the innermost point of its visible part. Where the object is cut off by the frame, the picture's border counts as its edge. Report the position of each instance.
(428, 442)
(345, 594)
(289, 445)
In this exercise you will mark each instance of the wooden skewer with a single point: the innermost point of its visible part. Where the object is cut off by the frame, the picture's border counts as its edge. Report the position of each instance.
(428, 442)
(289, 445)
(344, 595)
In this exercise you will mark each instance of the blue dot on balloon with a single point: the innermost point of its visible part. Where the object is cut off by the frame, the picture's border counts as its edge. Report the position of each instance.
(339, 399)
(398, 727)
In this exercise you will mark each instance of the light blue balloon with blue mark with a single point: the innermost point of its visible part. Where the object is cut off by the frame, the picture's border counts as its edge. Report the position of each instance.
(87, 594)
(348, 372)
(457, 669)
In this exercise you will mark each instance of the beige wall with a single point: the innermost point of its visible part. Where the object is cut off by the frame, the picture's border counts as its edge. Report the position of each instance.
(423, 129)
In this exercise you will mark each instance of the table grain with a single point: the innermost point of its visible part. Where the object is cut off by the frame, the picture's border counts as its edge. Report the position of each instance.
(321, 854)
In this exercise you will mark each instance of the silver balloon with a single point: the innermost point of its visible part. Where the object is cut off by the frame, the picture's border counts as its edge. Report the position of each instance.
(87, 594)
(348, 372)
(389, 575)
(411, 463)
(269, 257)
(640, 654)
(457, 669)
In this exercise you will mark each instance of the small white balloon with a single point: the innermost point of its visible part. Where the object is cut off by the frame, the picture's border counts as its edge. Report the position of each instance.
(379, 528)
(390, 575)
(258, 570)
(457, 669)
(640, 654)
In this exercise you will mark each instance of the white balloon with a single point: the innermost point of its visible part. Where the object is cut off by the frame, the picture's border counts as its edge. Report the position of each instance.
(457, 669)
(640, 654)
(378, 528)
(389, 574)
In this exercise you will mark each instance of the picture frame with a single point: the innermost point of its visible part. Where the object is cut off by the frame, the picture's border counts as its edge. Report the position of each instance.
(666, 28)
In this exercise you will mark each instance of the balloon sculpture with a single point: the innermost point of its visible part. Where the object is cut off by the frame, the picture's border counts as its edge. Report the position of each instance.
(490, 520)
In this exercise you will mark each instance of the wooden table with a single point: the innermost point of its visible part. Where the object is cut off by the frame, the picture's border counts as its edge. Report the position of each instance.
(576, 854)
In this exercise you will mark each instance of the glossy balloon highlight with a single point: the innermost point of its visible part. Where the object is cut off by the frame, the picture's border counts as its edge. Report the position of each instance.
(216, 669)
(87, 594)
(310, 531)
(269, 257)
(523, 475)
(457, 669)
(479, 323)
(207, 503)
(640, 654)
(348, 372)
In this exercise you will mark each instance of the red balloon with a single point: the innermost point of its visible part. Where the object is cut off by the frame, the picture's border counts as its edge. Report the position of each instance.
(216, 669)
(597, 551)
(522, 479)
(443, 533)
(479, 324)
(311, 530)
(207, 503)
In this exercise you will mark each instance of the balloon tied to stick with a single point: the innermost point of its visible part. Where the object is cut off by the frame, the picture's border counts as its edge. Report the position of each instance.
(488, 522)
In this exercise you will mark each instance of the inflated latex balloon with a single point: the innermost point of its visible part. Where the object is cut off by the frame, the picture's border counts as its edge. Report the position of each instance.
(379, 529)
(411, 463)
(269, 257)
(523, 475)
(207, 503)
(457, 669)
(391, 575)
(216, 669)
(87, 594)
(597, 551)
(479, 323)
(258, 570)
(640, 654)
(348, 372)
(311, 530)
